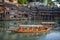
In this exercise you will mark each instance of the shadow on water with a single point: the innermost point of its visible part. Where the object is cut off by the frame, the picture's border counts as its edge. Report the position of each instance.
(20, 36)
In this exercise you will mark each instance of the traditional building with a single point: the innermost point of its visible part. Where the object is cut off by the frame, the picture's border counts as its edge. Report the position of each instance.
(46, 14)
(33, 15)
(11, 1)
(10, 8)
(1, 9)
(36, 15)
(10, 11)
(14, 2)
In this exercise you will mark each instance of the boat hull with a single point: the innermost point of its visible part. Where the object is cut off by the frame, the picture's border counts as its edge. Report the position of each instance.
(29, 31)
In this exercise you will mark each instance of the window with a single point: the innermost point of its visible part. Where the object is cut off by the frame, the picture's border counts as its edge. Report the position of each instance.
(14, 16)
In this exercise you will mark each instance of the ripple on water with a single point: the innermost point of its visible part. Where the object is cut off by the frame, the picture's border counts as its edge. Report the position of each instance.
(51, 36)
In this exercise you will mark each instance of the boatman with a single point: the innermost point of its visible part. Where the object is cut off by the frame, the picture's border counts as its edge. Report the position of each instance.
(20, 28)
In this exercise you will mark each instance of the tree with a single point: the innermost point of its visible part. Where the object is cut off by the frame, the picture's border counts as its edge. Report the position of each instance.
(41, 1)
(34, 0)
(46, 2)
(22, 1)
(51, 3)
(58, 1)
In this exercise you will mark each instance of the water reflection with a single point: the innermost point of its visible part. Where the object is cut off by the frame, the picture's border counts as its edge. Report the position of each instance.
(20, 36)
(10, 23)
(13, 23)
(55, 35)
(52, 36)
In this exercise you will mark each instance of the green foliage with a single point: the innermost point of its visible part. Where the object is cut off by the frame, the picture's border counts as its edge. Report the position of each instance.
(22, 1)
(34, 0)
(49, 2)
(58, 0)
(41, 1)
(27, 1)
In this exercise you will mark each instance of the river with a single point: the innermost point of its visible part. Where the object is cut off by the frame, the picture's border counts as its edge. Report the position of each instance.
(6, 35)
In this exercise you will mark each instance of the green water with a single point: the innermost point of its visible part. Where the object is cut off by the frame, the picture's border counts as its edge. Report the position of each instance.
(6, 35)
(20, 36)
(53, 35)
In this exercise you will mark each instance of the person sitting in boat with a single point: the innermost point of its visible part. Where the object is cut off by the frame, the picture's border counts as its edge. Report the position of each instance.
(20, 28)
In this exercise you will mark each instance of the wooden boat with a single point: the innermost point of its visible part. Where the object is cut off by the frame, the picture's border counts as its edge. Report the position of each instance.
(31, 29)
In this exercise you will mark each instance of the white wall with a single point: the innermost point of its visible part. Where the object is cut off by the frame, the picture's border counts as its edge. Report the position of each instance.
(14, 1)
(6, 0)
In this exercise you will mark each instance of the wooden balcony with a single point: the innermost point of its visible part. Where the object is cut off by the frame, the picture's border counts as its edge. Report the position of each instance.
(1, 4)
